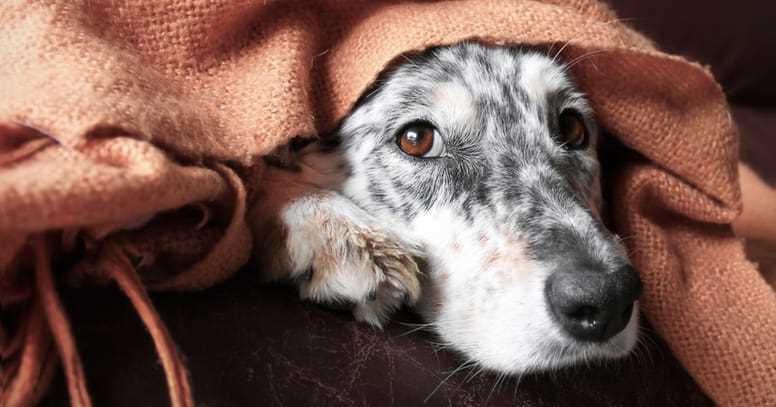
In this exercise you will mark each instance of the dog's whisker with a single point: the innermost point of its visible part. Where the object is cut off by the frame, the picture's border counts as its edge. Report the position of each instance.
(498, 380)
(560, 51)
(477, 371)
(416, 329)
(518, 379)
(461, 366)
(473, 371)
(646, 342)
(413, 324)
(582, 58)
(621, 238)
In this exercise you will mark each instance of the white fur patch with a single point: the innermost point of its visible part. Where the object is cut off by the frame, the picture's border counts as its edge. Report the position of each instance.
(454, 102)
(539, 76)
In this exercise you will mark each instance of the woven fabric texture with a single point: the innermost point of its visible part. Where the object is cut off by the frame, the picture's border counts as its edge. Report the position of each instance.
(131, 135)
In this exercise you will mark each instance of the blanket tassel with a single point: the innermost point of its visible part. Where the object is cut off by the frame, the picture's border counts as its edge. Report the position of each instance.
(121, 271)
(124, 274)
(59, 326)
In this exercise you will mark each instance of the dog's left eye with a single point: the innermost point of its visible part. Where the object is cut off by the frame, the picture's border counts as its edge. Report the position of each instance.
(420, 140)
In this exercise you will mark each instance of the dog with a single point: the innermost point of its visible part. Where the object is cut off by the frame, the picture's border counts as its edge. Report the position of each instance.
(464, 183)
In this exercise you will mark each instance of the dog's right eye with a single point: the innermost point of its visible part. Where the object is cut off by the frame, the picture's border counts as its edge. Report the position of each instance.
(573, 130)
(420, 140)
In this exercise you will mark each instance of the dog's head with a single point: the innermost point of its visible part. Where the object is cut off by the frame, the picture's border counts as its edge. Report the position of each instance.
(486, 157)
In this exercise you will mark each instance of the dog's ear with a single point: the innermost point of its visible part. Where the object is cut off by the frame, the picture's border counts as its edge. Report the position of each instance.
(282, 157)
(612, 156)
(612, 153)
(410, 57)
(285, 155)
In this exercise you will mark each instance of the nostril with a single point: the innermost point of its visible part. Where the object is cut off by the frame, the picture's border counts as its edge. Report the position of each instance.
(587, 318)
(594, 323)
(585, 314)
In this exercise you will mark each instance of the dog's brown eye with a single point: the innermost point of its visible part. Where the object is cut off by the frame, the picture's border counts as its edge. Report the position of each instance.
(420, 140)
(572, 129)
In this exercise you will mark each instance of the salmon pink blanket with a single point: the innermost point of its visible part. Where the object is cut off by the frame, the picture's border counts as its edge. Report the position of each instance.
(131, 134)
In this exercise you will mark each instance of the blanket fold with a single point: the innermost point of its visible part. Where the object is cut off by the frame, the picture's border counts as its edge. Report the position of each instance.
(135, 129)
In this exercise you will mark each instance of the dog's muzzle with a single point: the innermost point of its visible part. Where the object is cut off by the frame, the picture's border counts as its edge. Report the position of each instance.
(593, 306)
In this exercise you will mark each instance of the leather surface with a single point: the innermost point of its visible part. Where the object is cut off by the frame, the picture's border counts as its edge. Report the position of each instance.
(252, 344)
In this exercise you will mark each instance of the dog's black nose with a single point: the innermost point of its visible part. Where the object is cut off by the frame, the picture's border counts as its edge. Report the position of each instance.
(593, 305)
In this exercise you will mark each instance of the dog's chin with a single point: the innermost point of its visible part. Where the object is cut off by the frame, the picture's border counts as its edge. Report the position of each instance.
(570, 352)
(556, 351)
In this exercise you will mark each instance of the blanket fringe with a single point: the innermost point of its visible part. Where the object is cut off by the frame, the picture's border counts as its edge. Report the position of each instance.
(126, 277)
(59, 325)
(30, 353)
(24, 382)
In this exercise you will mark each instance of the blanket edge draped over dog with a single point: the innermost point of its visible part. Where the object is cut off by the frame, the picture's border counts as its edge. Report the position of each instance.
(131, 137)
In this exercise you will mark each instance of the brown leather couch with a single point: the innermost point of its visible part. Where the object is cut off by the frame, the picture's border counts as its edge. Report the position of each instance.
(253, 344)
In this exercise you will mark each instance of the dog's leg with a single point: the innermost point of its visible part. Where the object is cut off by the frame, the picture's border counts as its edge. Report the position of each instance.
(335, 251)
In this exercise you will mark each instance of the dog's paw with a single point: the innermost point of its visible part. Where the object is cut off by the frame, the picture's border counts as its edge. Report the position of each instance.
(397, 282)
(336, 261)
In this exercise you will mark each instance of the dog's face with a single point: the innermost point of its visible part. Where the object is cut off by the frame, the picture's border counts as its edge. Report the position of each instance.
(486, 158)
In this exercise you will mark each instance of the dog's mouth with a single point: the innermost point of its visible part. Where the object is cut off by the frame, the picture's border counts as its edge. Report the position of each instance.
(565, 352)
(513, 329)
(552, 353)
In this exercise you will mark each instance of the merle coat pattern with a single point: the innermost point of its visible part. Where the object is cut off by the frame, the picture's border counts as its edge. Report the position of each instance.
(493, 235)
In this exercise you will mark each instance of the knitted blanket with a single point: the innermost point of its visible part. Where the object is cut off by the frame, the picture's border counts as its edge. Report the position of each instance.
(131, 135)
